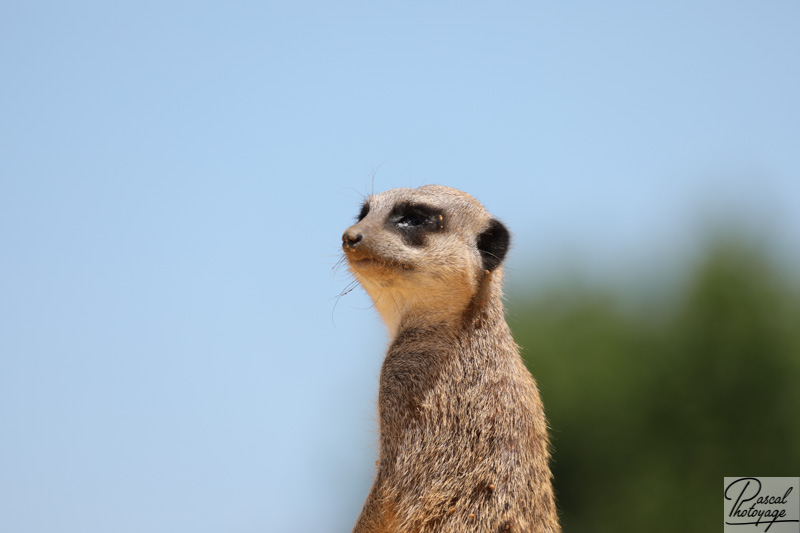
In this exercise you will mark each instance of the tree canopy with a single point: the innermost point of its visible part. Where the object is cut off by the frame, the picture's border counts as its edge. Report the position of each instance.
(650, 409)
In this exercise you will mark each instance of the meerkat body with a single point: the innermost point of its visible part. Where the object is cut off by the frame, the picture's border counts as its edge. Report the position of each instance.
(463, 437)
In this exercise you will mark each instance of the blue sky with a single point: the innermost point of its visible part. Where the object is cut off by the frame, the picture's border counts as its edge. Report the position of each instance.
(175, 178)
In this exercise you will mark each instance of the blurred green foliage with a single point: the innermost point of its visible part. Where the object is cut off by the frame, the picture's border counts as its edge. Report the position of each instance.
(651, 405)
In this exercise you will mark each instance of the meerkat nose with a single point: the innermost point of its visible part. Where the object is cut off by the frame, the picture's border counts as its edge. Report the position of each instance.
(351, 238)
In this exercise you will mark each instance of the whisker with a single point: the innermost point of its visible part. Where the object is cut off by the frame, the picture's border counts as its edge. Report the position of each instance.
(335, 268)
(347, 290)
(372, 175)
(356, 194)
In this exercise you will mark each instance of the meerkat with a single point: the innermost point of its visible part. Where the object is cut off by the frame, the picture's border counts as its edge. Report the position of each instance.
(463, 436)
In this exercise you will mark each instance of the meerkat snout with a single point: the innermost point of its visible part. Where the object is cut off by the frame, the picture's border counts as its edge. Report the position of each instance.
(351, 238)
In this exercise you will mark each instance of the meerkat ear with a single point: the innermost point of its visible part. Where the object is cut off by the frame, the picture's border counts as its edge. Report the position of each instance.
(493, 244)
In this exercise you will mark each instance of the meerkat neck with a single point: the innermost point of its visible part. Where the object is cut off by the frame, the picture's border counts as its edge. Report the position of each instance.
(402, 312)
(486, 306)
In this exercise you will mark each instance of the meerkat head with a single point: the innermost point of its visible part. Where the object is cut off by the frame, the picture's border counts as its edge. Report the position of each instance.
(423, 251)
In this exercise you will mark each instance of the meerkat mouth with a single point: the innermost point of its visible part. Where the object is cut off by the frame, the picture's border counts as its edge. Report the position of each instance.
(372, 261)
(368, 261)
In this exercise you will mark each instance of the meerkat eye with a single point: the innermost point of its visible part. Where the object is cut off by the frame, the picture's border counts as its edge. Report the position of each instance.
(411, 220)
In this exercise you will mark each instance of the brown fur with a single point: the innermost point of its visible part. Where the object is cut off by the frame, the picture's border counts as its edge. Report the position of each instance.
(463, 437)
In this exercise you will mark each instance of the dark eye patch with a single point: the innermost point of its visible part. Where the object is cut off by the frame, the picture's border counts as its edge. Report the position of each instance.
(364, 211)
(414, 221)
